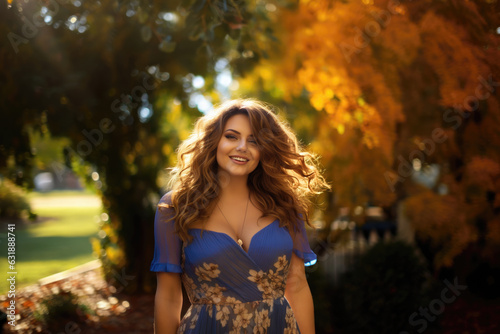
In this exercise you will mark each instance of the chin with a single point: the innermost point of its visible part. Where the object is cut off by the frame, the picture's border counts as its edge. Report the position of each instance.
(238, 173)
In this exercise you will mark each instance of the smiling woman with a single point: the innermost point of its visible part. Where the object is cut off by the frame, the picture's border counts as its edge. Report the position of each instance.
(243, 179)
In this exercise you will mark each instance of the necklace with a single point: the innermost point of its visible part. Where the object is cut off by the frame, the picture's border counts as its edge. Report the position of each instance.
(240, 242)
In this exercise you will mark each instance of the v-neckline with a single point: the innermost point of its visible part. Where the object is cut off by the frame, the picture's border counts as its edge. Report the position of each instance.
(234, 241)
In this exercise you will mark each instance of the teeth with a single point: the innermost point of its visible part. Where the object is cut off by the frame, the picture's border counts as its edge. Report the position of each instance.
(239, 159)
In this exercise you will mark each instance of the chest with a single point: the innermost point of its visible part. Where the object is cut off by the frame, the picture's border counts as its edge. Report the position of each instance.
(236, 225)
(263, 250)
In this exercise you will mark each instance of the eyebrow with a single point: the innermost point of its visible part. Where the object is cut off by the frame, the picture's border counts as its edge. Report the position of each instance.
(236, 132)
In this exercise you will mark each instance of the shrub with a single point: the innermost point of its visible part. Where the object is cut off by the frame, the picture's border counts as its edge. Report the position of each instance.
(384, 287)
(13, 202)
(59, 311)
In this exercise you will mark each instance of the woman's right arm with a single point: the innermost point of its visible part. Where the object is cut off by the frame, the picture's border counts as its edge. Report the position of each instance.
(168, 303)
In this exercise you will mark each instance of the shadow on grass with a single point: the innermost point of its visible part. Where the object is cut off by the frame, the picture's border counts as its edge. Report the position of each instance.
(52, 247)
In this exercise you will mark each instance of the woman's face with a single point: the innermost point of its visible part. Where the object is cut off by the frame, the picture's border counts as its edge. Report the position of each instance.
(237, 141)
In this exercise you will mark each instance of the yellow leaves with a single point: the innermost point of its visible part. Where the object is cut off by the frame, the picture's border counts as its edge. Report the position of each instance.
(111, 251)
(96, 246)
(265, 76)
(370, 140)
(265, 72)
(337, 86)
(174, 113)
(328, 93)
(166, 149)
(115, 255)
(322, 16)
(318, 101)
(358, 115)
(184, 134)
(177, 117)
(346, 118)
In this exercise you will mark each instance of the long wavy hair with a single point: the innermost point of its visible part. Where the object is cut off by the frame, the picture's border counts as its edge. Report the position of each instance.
(283, 181)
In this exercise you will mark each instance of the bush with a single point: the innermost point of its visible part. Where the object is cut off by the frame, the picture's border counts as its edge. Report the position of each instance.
(59, 311)
(381, 291)
(13, 202)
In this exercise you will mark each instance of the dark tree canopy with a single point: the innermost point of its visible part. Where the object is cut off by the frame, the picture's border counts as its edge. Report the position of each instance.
(112, 76)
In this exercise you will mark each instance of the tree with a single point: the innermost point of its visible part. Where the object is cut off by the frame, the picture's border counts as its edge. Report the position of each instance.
(401, 87)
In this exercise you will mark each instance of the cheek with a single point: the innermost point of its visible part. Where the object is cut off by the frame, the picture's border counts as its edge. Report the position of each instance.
(256, 155)
(221, 148)
(219, 152)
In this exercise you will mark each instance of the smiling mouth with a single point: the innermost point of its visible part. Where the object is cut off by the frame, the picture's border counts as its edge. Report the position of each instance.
(239, 159)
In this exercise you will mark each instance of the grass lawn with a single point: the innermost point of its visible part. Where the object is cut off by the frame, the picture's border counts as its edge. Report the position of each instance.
(58, 240)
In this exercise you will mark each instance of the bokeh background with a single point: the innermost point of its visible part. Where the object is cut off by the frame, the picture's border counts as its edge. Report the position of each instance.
(400, 99)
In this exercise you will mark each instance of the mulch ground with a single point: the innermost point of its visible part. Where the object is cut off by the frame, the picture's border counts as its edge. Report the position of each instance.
(108, 310)
(471, 315)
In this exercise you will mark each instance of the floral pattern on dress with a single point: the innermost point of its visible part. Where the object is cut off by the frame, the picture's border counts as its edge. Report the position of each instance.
(231, 313)
(291, 324)
(208, 293)
(262, 322)
(242, 318)
(222, 315)
(207, 272)
(271, 283)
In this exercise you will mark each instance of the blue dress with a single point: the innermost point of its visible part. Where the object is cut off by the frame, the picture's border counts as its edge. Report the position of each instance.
(230, 290)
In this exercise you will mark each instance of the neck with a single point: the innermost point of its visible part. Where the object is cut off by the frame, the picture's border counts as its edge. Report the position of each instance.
(235, 189)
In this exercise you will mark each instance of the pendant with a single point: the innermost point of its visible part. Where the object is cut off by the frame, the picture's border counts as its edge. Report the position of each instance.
(240, 242)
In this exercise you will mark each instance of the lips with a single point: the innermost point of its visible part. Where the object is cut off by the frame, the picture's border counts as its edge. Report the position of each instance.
(239, 157)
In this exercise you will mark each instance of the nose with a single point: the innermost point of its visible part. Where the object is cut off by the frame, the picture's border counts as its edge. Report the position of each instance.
(242, 145)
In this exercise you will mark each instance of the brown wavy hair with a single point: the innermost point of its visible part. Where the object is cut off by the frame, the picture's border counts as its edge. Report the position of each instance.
(283, 181)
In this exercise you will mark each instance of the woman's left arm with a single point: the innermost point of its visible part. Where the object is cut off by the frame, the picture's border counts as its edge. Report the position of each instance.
(299, 295)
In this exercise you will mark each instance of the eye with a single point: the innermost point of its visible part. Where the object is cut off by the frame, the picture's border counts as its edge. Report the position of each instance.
(252, 141)
(230, 137)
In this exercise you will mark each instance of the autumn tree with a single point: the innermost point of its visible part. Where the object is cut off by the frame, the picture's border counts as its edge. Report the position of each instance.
(400, 89)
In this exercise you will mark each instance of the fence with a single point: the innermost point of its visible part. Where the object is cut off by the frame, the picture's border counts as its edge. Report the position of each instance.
(346, 242)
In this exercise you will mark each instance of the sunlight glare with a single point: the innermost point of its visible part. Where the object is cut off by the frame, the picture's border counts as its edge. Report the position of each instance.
(198, 82)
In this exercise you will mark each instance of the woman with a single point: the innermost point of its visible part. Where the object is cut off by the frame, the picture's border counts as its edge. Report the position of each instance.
(232, 228)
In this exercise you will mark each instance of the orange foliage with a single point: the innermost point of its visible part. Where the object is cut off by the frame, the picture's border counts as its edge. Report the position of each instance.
(382, 76)
(340, 73)
(443, 220)
(452, 57)
(484, 172)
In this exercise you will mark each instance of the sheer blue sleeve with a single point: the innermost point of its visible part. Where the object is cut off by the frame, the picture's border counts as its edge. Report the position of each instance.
(301, 245)
(168, 245)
